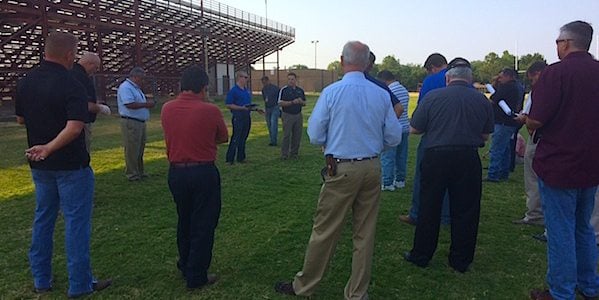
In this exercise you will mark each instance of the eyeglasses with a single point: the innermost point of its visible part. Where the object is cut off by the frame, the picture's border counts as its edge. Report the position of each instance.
(562, 40)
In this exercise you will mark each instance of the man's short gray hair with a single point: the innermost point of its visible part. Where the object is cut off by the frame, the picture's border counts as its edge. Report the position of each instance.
(137, 72)
(356, 53)
(580, 32)
(463, 73)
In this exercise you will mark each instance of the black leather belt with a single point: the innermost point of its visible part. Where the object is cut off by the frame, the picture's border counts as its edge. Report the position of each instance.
(452, 148)
(134, 119)
(342, 160)
(192, 164)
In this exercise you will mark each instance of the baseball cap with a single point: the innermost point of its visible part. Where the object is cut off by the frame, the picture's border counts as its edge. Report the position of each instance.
(458, 62)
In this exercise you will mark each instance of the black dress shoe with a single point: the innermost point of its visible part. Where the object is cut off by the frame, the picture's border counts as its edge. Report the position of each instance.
(459, 268)
(408, 257)
(540, 295)
(210, 280)
(42, 291)
(286, 288)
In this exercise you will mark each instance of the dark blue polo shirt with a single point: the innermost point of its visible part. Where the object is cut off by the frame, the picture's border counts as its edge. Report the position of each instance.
(47, 97)
(240, 97)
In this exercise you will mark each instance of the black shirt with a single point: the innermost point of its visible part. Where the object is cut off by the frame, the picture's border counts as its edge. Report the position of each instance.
(513, 96)
(81, 75)
(288, 94)
(456, 115)
(47, 97)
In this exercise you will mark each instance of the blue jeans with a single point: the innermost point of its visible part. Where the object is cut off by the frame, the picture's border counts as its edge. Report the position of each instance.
(500, 156)
(394, 162)
(571, 245)
(416, 190)
(241, 131)
(72, 192)
(272, 123)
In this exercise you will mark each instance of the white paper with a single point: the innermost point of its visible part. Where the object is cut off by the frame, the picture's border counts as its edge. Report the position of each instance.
(506, 108)
(490, 88)
(527, 104)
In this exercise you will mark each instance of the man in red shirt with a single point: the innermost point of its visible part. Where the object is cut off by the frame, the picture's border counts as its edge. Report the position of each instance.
(564, 115)
(192, 129)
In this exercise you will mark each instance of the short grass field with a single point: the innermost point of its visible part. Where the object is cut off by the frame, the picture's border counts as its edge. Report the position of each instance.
(267, 212)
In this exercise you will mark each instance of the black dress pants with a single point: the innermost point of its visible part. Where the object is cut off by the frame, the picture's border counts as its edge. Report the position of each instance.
(197, 193)
(458, 170)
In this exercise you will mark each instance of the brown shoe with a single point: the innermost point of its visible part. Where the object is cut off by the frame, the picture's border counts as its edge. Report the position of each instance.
(286, 288)
(212, 279)
(96, 287)
(537, 294)
(407, 219)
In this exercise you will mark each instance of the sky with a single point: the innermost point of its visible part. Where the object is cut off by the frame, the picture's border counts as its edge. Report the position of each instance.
(411, 30)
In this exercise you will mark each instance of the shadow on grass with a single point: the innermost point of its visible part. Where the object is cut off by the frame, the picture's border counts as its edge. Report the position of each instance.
(265, 223)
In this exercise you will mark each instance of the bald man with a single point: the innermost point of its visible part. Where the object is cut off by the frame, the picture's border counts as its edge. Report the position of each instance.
(51, 105)
(82, 71)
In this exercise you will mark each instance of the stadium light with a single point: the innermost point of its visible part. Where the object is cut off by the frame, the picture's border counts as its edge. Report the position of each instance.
(315, 44)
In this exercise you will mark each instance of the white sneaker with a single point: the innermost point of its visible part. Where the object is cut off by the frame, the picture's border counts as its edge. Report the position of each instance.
(390, 188)
(400, 184)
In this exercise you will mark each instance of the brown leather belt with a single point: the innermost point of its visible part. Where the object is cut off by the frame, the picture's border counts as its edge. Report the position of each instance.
(191, 164)
(342, 160)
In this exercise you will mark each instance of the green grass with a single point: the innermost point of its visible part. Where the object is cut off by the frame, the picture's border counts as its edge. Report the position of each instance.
(267, 212)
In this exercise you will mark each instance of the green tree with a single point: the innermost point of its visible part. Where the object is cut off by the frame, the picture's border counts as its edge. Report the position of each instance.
(336, 67)
(525, 61)
(484, 71)
(391, 64)
(298, 67)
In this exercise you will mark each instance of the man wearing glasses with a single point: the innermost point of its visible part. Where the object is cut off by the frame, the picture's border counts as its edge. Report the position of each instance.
(239, 100)
(564, 115)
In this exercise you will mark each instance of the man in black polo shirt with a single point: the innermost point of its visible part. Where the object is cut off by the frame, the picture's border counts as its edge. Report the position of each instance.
(52, 106)
(291, 100)
(455, 121)
(505, 126)
(88, 64)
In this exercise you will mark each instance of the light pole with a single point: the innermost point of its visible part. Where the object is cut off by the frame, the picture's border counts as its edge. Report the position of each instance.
(315, 44)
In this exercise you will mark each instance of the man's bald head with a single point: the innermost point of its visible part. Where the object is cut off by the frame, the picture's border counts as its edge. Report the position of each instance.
(90, 62)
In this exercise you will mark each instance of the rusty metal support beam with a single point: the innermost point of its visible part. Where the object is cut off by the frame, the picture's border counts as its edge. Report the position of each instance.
(19, 32)
(137, 33)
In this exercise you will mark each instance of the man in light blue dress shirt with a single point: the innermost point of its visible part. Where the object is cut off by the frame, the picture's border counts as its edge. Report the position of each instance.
(353, 121)
(134, 111)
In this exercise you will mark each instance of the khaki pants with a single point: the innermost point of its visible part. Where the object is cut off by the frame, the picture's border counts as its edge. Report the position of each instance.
(87, 130)
(292, 134)
(531, 186)
(357, 187)
(134, 141)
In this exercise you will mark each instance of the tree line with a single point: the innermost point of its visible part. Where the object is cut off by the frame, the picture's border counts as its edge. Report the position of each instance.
(411, 75)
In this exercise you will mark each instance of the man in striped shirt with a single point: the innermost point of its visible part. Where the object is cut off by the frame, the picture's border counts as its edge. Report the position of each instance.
(394, 160)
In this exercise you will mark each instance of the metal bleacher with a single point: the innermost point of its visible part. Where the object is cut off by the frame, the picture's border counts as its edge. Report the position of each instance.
(163, 36)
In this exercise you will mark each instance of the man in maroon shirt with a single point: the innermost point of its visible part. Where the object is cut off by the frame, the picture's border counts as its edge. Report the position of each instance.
(192, 129)
(564, 115)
